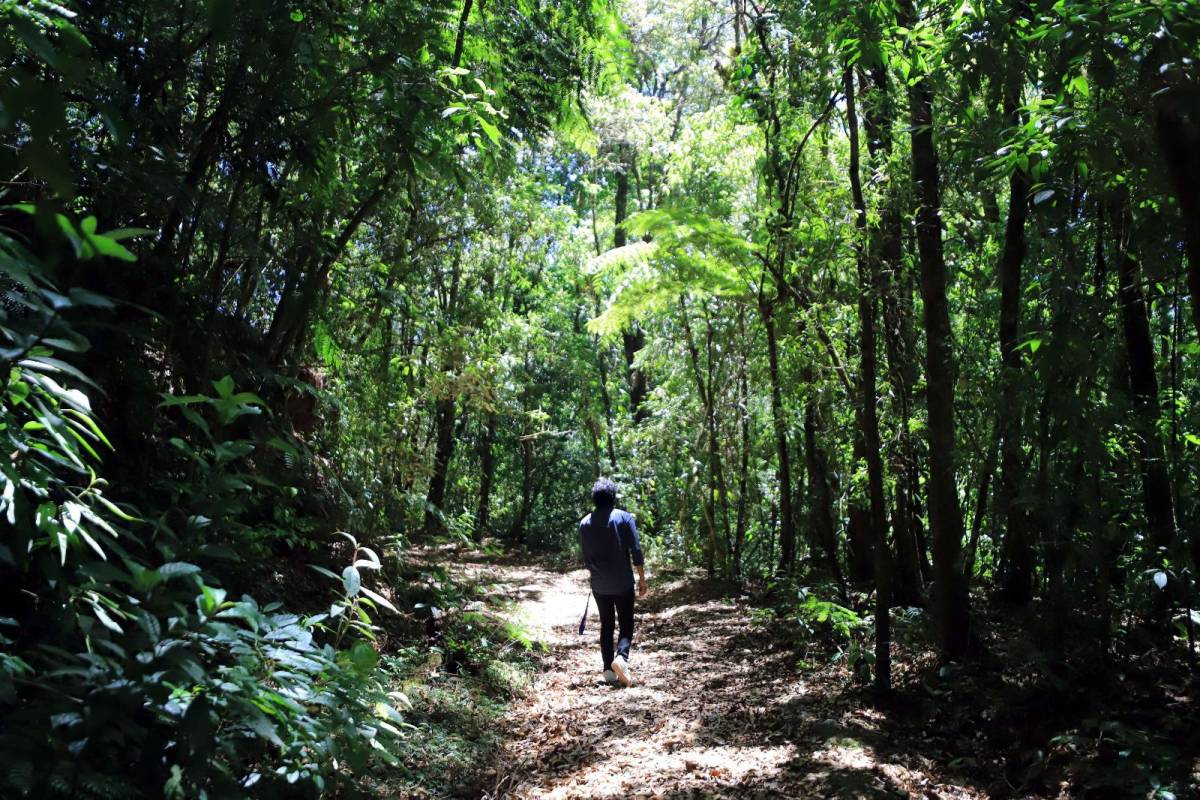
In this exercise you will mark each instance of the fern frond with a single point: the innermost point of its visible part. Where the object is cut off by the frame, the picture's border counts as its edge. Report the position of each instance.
(632, 255)
(687, 253)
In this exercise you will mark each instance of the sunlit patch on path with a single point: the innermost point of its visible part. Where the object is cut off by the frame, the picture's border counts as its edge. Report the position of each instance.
(716, 710)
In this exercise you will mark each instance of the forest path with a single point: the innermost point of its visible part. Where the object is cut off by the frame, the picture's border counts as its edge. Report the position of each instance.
(716, 709)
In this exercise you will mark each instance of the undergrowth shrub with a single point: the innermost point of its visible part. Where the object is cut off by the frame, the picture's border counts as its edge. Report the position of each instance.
(125, 669)
(455, 689)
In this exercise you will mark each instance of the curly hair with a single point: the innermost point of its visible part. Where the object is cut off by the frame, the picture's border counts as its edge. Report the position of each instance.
(604, 493)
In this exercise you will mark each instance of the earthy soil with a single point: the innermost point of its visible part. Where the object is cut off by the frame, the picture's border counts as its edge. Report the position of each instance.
(717, 709)
(732, 700)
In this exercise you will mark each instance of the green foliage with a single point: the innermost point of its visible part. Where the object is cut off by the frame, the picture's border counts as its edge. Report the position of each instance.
(272, 275)
(848, 631)
(814, 612)
(681, 253)
(133, 674)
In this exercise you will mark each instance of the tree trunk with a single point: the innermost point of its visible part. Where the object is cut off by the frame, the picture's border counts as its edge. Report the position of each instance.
(1143, 391)
(714, 441)
(291, 316)
(868, 418)
(443, 417)
(634, 339)
(950, 603)
(739, 536)
(1017, 582)
(860, 555)
(820, 498)
(487, 473)
(456, 59)
(896, 290)
(1177, 124)
(716, 476)
(517, 532)
(985, 481)
(787, 534)
(605, 399)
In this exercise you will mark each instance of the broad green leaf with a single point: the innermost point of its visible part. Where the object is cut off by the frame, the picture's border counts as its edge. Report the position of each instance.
(378, 598)
(224, 386)
(351, 580)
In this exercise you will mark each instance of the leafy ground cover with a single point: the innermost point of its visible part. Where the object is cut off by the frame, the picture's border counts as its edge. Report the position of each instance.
(458, 654)
(739, 697)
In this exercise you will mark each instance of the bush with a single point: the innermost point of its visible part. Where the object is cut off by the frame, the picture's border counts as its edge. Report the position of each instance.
(125, 670)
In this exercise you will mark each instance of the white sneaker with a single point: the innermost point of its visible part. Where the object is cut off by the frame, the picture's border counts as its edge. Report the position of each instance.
(621, 667)
(610, 677)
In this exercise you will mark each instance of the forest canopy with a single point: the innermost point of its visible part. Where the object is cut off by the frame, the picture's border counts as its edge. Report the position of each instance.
(895, 301)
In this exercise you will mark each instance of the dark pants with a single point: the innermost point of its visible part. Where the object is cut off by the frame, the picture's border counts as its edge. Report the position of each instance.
(621, 607)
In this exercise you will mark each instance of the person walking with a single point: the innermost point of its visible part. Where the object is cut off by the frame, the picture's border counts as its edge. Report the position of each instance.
(609, 540)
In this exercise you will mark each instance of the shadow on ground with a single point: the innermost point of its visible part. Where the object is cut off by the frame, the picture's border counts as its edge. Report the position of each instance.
(722, 707)
(718, 709)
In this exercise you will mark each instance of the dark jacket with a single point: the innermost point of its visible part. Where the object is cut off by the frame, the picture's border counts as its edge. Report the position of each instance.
(610, 540)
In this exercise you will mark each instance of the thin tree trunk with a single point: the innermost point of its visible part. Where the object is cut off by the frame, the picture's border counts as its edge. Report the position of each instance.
(716, 478)
(1177, 124)
(787, 534)
(1017, 582)
(702, 391)
(896, 291)
(945, 516)
(632, 340)
(443, 416)
(714, 438)
(459, 38)
(487, 473)
(820, 498)
(986, 471)
(605, 399)
(867, 414)
(517, 532)
(291, 316)
(860, 555)
(739, 537)
(1143, 390)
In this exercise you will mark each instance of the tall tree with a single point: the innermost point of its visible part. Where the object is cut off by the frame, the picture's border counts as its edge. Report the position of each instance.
(1143, 387)
(1018, 549)
(950, 601)
(867, 413)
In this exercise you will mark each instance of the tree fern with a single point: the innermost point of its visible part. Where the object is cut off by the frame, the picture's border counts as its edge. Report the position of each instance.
(680, 252)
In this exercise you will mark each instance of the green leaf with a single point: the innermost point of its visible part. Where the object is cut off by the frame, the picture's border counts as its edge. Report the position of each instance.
(363, 656)
(92, 543)
(371, 561)
(182, 400)
(106, 246)
(326, 572)
(105, 619)
(224, 387)
(120, 234)
(104, 501)
(378, 598)
(491, 130)
(88, 423)
(210, 599)
(177, 569)
(352, 580)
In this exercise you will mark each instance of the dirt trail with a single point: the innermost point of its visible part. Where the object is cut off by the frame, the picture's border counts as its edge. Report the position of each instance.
(715, 711)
